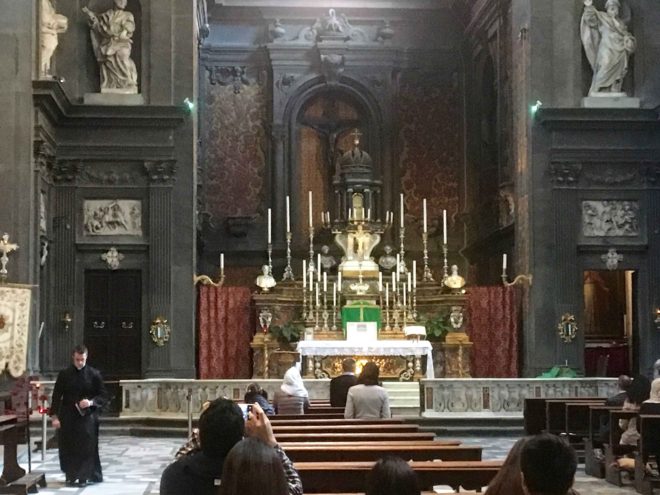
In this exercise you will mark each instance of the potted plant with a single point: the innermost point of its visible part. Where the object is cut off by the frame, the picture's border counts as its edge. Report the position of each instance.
(437, 327)
(286, 334)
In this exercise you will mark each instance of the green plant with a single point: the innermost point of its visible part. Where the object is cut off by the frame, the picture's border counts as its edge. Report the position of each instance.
(437, 326)
(287, 333)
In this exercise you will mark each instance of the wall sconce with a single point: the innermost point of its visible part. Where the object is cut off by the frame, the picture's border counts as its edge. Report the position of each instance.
(66, 321)
(519, 279)
(657, 318)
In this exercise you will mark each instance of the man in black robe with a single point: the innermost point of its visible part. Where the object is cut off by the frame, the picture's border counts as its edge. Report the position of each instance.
(339, 385)
(78, 395)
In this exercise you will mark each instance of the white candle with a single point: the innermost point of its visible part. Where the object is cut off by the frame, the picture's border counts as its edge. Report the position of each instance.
(317, 293)
(393, 281)
(504, 262)
(409, 282)
(444, 226)
(311, 280)
(334, 294)
(304, 274)
(310, 209)
(318, 267)
(325, 282)
(339, 280)
(401, 208)
(404, 294)
(222, 261)
(387, 295)
(269, 225)
(380, 281)
(414, 272)
(288, 215)
(398, 263)
(368, 213)
(424, 203)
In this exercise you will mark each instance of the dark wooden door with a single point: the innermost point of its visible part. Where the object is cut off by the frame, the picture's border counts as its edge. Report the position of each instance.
(113, 315)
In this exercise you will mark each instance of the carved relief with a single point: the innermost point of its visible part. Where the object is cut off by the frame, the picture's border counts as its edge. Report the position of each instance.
(234, 76)
(115, 176)
(43, 224)
(66, 170)
(650, 173)
(610, 218)
(565, 174)
(612, 259)
(112, 217)
(332, 66)
(332, 27)
(285, 82)
(112, 258)
(610, 175)
(161, 171)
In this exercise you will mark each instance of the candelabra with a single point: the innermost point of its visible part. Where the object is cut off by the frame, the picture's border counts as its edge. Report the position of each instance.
(334, 315)
(402, 250)
(428, 275)
(311, 246)
(304, 304)
(324, 314)
(445, 266)
(387, 316)
(288, 272)
(270, 259)
(310, 313)
(414, 303)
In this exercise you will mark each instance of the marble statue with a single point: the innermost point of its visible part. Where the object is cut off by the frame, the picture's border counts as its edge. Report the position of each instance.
(51, 24)
(454, 281)
(112, 33)
(265, 281)
(387, 261)
(608, 44)
(328, 261)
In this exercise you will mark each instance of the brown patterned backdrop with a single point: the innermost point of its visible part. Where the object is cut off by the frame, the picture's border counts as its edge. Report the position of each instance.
(430, 140)
(233, 156)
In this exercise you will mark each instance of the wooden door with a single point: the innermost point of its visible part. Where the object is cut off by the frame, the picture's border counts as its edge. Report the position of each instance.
(113, 316)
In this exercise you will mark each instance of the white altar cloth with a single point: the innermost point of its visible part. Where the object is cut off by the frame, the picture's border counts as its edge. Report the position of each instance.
(376, 348)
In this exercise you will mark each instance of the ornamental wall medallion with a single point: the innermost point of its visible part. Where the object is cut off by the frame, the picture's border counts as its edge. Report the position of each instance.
(612, 259)
(610, 219)
(112, 217)
(112, 258)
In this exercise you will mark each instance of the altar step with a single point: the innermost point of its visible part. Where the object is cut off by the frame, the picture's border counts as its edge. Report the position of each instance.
(404, 398)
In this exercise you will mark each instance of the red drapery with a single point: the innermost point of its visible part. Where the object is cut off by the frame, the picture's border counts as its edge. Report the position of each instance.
(493, 321)
(225, 326)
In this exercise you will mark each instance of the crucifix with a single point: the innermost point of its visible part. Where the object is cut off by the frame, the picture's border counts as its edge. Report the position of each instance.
(6, 247)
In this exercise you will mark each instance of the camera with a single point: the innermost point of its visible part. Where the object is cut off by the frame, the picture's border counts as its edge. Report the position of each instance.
(246, 408)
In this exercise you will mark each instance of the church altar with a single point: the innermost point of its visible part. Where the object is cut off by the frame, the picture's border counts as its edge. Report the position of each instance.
(322, 359)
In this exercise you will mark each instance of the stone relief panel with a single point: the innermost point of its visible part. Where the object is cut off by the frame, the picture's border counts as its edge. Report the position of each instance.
(112, 217)
(431, 150)
(610, 218)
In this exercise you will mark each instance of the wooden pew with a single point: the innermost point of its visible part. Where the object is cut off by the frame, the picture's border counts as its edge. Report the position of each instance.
(307, 416)
(362, 437)
(534, 412)
(324, 410)
(613, 449)
(576, 425)
(358, 428)
(645, 482)
(339, 477)
(275, 421)
(395, 443)
(331, 453)
(14, 479)
(555, 412)
(593, 466)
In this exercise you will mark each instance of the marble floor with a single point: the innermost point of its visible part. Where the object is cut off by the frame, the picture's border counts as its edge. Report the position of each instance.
(133, 465)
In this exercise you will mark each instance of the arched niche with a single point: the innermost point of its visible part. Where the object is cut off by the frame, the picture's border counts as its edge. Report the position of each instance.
(319, 119)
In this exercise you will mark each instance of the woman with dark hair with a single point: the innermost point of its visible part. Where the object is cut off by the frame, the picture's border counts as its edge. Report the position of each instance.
(367, 399)
(253, 468)
(638, 392)
(392, 476)
(257, 394)
(508, 481)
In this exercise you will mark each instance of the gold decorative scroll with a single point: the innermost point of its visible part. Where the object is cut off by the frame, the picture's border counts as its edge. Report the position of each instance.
(14, 327)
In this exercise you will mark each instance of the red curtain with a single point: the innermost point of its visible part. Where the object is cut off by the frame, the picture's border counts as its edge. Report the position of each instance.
(493, 321)
(225, 326)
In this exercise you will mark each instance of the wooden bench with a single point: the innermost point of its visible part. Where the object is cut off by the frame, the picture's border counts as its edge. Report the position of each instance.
(347, 437)
(613, 449)
(324, 410)
(534, 411)
(14, 479)
(592, 465)
(339, 477)
(395, 443)
(555, 412)
(644, 482)
(429, 452)
(357, 428)
(576, 425)
(307, 416)
(275, 421)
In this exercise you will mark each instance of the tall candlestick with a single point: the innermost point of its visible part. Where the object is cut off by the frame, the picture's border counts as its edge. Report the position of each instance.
(288, 215)
(380, 281)
(504, 262)
(310, 208)
(269, 225)
(401, 209)
(414, 272)
(424, 203)
(444, 226)
(304, 274)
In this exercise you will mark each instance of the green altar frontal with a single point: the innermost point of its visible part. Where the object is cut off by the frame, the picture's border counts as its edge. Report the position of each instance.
(358, 311)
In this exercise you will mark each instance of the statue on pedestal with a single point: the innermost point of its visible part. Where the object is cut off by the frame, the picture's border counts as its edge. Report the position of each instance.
(328, 261)
(388, 260)
(112, 33)
(265, 281)
(454, 281)
(51, 24)
(608, 44)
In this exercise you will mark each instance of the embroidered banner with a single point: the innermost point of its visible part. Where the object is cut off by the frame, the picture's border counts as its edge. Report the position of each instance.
(14, 328)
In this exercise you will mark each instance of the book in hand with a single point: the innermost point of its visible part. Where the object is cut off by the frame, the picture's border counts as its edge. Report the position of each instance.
(81, 411)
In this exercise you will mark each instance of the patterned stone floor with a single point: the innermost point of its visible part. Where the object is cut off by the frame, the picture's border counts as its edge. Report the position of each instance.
(133, 465)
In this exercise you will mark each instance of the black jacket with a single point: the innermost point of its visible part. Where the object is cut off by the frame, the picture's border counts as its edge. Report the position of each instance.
(339, 386)
(195, 474)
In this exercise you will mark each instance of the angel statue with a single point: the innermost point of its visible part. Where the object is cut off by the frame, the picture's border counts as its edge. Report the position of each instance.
(608, 44)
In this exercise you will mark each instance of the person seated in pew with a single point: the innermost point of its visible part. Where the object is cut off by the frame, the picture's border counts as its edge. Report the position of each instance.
(615, 400)
(257, 465)
(292, 398)
(339, 385)
(508, 480)
(547, 466)
(637, 393)
(392, 476)
(651, 438)
(256, 394)
(367, 399)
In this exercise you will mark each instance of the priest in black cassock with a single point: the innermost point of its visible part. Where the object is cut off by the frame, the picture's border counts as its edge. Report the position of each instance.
(78, 395)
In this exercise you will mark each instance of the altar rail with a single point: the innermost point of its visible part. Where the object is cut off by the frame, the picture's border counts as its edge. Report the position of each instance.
(166, 398)
(503, 396)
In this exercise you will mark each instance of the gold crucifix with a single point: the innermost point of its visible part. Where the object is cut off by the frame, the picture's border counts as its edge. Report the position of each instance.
(356, 136)
(6, 247)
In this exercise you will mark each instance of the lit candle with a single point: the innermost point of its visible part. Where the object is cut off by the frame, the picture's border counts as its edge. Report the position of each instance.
(504, 262)
(325, 282)
(288, 215)
(222, 261)
(401, 208)
(444, 226)
(380, 281)
(269, 225)
(414, 272)
(424, 203)
(310, 209)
